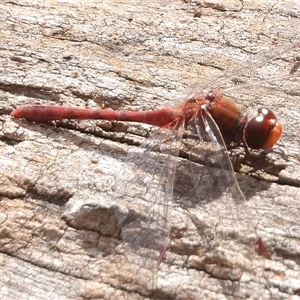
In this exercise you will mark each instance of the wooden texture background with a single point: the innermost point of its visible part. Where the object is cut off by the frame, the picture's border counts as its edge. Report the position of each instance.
(58, 232)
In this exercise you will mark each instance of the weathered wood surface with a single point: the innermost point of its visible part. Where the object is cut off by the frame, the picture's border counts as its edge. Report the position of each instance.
(58, 233)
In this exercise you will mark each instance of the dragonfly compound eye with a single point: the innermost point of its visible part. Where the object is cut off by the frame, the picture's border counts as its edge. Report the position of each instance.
(267, 113)
(262, 131)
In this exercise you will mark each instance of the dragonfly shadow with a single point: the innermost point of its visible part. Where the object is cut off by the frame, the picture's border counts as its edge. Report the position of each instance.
(220, 222)
(257, 161)
(217, 210)
(212, 183)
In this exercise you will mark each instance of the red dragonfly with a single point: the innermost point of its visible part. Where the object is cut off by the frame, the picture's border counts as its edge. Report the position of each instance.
(205, 123)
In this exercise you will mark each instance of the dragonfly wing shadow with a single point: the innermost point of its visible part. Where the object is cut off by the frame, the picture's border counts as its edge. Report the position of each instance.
(143, 195)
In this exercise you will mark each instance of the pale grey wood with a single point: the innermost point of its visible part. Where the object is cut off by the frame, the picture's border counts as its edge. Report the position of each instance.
(59, 236)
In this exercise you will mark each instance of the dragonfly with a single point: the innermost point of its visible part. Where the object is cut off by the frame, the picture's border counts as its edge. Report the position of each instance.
(205, 124)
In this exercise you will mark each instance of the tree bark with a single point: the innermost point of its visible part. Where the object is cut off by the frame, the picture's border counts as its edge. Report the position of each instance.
(59, 236)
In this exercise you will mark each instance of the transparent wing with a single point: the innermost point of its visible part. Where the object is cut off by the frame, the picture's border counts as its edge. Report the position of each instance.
(144, 193)
(209, 149)
(261, 71)
(220, 212)
(261, 60)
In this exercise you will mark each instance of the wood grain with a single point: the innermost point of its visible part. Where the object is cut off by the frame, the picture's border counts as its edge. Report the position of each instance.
(59, 236)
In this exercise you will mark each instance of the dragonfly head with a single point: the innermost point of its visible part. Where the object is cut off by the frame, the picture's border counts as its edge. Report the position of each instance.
(262, 131)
